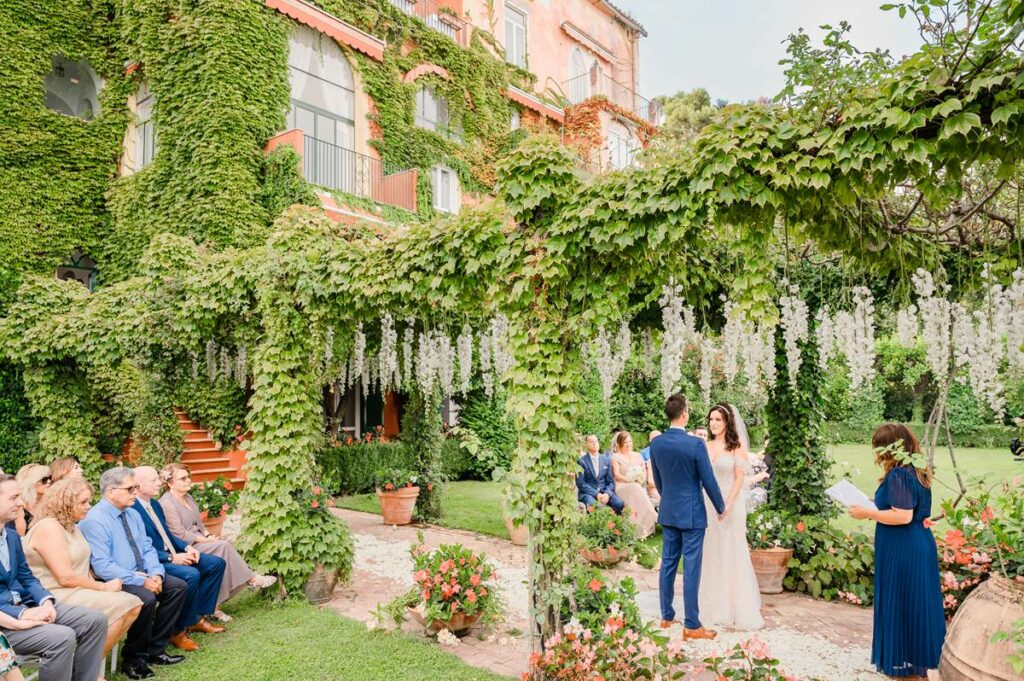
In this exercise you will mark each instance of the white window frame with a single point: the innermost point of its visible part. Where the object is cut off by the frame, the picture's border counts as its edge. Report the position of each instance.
(621, 147)
(449, 201)
(433, 113)
(579, 76)
(516, 34)
(145, 133)
(515, 121)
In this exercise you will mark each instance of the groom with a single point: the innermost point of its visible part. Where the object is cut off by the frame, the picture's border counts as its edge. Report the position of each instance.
(681, 467)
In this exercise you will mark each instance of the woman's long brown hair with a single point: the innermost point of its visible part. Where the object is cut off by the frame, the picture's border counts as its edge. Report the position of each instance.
(732, 438)
(883, 441)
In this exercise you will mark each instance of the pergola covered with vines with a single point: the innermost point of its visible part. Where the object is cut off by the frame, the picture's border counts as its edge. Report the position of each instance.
(875, 168)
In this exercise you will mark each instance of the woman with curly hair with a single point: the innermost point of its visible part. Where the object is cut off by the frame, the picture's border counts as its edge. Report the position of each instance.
(58, 555)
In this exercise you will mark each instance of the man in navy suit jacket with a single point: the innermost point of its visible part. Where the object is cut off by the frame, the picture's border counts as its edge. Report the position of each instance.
(682, 469)
(595, 483)
(68, 639)
(200, 571)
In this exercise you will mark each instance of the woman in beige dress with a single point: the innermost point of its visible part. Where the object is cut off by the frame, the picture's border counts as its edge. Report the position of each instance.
(186, 524)
(58, 556)
(632, 477)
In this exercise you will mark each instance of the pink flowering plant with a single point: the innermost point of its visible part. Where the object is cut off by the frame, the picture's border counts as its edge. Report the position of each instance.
(215, 497)
(450, 580)
(615, 652)
(985, 536)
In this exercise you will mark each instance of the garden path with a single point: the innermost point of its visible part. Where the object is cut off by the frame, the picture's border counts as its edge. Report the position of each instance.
(810, 638)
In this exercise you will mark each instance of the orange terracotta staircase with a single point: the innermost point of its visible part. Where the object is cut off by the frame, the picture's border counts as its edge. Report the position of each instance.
(206, 458)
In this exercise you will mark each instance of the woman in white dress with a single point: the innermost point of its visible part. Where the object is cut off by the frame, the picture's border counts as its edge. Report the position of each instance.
(729, 595)
(632, 480)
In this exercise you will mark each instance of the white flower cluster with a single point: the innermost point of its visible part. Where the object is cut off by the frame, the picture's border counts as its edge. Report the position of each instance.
(357, 362)
(853, 334)
(242, 367)
(486, 371)
(757, 347)
(464, 347)
(610, 361)
(648, 352)
(732, 339)
(387, 357)
(211, 360)
(793, 319)
(907, 326)
(826, 336)
(936, 325)
(678, 324)
(447, 638)
(407, 352)
(707, 360)
(501, 358)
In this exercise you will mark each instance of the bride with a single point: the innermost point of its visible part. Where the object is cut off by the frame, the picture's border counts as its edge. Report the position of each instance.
(729, 595)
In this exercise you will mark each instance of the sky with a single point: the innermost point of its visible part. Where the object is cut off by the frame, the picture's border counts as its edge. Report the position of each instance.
(732, 47)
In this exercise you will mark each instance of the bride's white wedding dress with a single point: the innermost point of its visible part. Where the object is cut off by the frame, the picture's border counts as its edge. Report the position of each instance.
(729, 596)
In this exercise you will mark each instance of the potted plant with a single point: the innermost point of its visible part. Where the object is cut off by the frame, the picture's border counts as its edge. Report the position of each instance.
(397, 490)
(216, 500)
(513, 505)
(455, 588)
(319, 586)
(770, 536)
(981, 561)
(607, 537)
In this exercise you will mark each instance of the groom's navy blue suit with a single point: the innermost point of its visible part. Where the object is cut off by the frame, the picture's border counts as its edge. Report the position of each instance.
(682, 469)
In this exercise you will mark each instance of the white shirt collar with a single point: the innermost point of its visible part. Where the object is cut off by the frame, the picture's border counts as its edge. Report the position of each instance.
(682, 428)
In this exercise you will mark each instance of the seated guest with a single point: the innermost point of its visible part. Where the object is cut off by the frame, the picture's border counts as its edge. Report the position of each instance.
(58, 554)
(594, 482)
(68, 467)
(122, 550)
(8, 658)
(67, 639)
(202, 572)
(645, 453)
(33, 479)
(632, 481)
(186, 524)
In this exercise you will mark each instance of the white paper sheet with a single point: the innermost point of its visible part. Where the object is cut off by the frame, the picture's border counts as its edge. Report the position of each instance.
(847, 494)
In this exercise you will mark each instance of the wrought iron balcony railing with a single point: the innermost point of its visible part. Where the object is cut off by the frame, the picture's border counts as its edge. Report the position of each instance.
(437, 17)
(596, 83)
(341, 169)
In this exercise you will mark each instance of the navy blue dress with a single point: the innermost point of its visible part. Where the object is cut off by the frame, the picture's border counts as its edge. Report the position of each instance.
(909, 622)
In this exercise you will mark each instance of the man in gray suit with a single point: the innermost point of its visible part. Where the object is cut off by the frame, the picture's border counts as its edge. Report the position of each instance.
(67, 639)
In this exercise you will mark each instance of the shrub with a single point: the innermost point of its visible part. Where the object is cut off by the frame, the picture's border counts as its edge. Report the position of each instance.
(637, 402)
(391, 479)
(215, 497)
(770, 529)
(485, 418)
(602, 528)
(219, 405)
(349, 468)
(593, 597)
(592, 413)
(965, 415)
(829, 563)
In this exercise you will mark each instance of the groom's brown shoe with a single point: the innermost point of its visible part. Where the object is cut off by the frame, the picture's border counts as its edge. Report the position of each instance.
(689, 634)
(665, 624)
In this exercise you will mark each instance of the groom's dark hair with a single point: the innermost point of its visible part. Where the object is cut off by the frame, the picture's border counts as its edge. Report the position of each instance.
(675, 405)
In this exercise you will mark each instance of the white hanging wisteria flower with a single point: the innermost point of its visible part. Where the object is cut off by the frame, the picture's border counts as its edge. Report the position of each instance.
(860, 353)
(678, 328)
(388, 355)
(732, 335)
(407, 353)
(501, 358)
(328, 346)
(242, 367)
(936, 326)
(446, 363)
(707, 363)
(1015, 321)
(464, 346)
(907, 326)
(211, 360)
(648, 350)
(359, 355)
(195, 363)
(227, 364)
(758, 351)
(486, 370)
(795, 330)
(364, 376)
(825, 334)
(426, 363)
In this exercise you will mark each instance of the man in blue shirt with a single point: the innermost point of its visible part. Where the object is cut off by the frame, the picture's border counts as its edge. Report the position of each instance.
(646, 451)
(67, 639)
(121, 550)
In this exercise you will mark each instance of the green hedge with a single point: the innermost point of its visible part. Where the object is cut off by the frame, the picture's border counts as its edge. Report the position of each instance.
(990, 436)
(349, 469)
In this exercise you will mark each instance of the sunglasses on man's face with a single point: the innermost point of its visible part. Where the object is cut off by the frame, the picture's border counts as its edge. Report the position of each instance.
(46, 480)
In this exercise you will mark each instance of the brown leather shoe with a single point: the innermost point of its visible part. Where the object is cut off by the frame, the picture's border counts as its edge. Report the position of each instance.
(699, 633)
(665, 624)
(203, 626)
(183, 642)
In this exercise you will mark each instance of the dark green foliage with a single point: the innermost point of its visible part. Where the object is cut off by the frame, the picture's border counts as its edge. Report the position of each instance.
(905, 378)
(219, 406)
(963, 409)
(592, 414)
(283, 184)
(17, 427)
(486, 418)
(593, 595)
(827, 560)
(637, 403)
(989, 436)
(348, 469)
(422, 434)
(799, 460)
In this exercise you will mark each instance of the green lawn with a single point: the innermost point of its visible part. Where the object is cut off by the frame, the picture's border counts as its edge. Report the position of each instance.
(270, 642)
(476, 506)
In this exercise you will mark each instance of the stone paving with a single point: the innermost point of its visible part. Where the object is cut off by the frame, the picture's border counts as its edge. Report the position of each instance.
(828, 640)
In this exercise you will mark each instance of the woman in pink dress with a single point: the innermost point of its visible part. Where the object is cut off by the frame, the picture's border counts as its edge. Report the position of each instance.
(632, 482)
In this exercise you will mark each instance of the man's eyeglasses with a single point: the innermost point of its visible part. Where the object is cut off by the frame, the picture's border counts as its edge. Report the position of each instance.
(133, 488)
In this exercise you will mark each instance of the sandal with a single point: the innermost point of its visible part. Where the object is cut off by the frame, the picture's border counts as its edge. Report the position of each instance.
(222, 616)
(262, 581)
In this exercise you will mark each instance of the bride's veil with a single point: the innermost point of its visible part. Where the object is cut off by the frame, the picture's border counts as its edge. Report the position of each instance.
(741, 427)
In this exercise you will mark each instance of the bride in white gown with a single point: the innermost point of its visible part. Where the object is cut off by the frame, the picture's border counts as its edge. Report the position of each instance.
(729, 595)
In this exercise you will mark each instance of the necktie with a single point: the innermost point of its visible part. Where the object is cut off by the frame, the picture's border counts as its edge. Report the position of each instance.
(159, 528)
(139, 565)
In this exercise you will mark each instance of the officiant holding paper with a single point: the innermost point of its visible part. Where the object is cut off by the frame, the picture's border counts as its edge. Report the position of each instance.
(909, 625)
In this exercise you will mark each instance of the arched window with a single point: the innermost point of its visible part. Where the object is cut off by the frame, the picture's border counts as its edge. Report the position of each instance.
(79, 267)
(579, 77)
(323, 107)
(621, 146)
(447, 193)
(72, 88)
(432, 110)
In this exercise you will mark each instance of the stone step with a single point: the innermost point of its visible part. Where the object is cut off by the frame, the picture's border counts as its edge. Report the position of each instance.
(197, 435)
(208, 449)
(204, 464)
(213, 473)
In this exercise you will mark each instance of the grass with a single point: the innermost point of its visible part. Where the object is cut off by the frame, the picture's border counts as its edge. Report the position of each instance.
(294, 640)
(476, 506)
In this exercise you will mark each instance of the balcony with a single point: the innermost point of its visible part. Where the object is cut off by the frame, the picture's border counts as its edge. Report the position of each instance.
(345, 170)
(596, 83)
(437, 17)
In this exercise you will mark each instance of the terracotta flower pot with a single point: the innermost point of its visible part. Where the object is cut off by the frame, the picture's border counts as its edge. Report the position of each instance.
(320, 586)
(517, 533)
(213, 525)
(770, 566)
(968, 653)
(457, 623)
(396, 506)
(604, 556)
